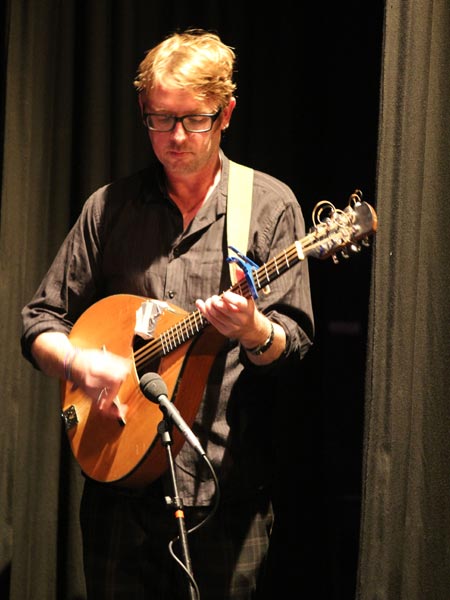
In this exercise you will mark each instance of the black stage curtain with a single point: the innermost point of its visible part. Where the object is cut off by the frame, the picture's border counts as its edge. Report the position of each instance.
(308, 93)
(405, 527)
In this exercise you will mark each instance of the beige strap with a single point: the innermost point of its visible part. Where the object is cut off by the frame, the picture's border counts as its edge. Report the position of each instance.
(239, 209)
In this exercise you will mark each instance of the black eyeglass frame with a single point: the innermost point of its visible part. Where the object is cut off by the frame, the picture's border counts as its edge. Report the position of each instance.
(212, 116)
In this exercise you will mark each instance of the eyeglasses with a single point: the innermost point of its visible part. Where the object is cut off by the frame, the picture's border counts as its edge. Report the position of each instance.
(192, 123)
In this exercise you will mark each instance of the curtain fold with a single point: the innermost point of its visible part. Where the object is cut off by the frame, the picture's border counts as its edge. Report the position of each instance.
(35, 490)
(405, 526)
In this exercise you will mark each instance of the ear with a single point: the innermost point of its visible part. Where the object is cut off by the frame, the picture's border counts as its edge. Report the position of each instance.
(227, 112)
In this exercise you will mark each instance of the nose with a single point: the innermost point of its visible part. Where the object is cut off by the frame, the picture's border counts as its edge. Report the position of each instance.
(179, 132)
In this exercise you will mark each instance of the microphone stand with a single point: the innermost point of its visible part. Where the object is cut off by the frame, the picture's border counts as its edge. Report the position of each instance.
(177, 503)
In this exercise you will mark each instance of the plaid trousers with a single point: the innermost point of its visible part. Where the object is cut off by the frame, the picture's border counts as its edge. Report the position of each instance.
(126, 547)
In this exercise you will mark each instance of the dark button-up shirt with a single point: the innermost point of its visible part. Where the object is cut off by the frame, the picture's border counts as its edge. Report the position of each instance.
(129, 239)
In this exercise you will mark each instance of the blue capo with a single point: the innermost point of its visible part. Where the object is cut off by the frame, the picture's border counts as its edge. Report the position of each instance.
(247, 266)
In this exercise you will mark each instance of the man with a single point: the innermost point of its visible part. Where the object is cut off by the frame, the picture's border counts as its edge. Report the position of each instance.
(161, 234)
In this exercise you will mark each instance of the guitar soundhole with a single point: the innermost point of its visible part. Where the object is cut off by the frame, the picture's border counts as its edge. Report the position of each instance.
(144, 358)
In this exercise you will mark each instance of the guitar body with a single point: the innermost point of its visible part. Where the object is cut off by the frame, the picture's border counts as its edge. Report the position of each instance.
(131, 454)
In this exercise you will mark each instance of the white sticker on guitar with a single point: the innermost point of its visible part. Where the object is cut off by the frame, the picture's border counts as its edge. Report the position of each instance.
(147, 317)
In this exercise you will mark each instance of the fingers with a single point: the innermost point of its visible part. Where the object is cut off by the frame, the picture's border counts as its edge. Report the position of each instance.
(100, 375)
(101, 398)
(111, 406)
(230, 313)
(226, 304)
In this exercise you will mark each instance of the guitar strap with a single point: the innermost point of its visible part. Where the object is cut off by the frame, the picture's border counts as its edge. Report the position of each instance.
(239, 209)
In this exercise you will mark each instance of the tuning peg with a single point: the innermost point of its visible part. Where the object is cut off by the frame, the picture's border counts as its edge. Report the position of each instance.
(335, 259)
(357, 196)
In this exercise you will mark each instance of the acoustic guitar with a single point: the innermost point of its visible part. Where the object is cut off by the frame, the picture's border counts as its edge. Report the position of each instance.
(181, 347)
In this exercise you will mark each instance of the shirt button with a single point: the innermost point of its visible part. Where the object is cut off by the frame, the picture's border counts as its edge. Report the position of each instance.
(171, 294)
(176, 252)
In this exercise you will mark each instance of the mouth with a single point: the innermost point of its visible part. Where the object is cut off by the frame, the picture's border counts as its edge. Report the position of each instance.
(178, 151)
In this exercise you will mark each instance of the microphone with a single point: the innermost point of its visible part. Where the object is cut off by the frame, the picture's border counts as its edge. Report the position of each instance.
(154, 389)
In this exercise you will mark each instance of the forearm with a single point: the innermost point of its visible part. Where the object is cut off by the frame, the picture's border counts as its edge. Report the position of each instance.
(51, 350)
(97, 373)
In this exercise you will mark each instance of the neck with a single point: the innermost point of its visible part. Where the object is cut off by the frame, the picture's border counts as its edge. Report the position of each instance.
(190, 192)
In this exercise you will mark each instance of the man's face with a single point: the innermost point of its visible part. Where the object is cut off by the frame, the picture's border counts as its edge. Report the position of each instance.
(182, 152)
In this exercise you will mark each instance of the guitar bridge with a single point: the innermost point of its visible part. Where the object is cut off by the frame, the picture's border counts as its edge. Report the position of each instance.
(70, 417)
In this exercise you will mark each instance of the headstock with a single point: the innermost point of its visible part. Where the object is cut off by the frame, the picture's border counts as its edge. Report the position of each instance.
(340, 230)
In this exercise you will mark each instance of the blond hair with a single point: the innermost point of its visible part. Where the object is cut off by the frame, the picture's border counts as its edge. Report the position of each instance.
(196, 60)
